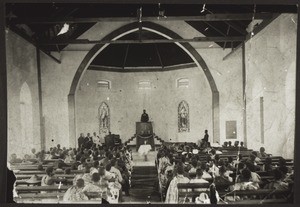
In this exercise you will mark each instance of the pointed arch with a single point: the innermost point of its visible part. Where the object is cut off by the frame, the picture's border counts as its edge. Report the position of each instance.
(183, 117)
(26, 119)
(104, 119)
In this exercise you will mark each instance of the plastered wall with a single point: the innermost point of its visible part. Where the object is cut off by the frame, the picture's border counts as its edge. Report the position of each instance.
(270, 64)
(22, 73)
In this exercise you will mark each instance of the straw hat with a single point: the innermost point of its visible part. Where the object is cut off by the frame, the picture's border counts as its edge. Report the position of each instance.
(33, 180)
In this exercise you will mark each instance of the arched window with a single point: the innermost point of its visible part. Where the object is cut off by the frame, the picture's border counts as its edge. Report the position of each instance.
(104, 119)
(183, 117)
(144, 85)
(103, 84)
(182, 83)
(26, 119)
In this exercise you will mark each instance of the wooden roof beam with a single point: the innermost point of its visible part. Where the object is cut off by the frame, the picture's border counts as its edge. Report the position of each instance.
(207, 17)
(148, 41)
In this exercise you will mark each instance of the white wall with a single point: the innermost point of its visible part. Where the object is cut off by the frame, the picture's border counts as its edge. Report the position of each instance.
(271, 65)
(127, 102)
(21, 69)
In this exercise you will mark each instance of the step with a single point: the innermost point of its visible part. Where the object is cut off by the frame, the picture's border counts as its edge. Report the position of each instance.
(137, 177)
(151, 180)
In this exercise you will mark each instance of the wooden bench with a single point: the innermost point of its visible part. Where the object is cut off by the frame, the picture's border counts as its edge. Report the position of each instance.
(38, 172)
(35, 166)
(40, 195)
(38, 189)
(22, 177)
(261, 193)
(64, 181)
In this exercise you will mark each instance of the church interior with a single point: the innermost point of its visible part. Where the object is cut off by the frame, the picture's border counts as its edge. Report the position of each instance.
(151, 103)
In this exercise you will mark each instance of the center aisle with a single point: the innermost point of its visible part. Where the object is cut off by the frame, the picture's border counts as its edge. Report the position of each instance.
(144, 180)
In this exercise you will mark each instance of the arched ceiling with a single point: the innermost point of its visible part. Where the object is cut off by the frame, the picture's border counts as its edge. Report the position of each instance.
(141, 54)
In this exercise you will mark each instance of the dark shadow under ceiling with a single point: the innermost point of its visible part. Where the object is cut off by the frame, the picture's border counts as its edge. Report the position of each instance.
(141, 54)
(40, 24)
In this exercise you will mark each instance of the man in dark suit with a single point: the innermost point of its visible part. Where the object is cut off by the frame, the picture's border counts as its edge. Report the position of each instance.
(144, 117)
(204, 141)
(80, 140)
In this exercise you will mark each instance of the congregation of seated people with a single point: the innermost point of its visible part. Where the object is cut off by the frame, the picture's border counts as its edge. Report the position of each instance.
(189, 163)
(105, 171)
(102, 170)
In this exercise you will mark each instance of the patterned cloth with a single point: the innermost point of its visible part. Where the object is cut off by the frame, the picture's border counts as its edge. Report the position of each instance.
(163, 163)
(87, 178)
(76, 178)
(172, 193)
(96, 188)
(74, 194)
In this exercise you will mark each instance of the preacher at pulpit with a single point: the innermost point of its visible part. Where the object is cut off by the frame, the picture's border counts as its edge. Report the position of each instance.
(144, 117)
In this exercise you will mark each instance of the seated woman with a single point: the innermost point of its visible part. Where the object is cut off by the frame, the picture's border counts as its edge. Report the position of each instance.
(223, 181)
(205, 169)
(213, 168)
(243, 181)
(59, 167)
(14, 159)
(75, 193)
(70, 157)
(278, 182)
(48, 179)
(95, 190)
(262, 153)
(193, 167)
(172, 192)
(199, 179)
(268, 165)
(230, 164)
(255, 178)
(82, 163)
(95, 167)
(87, 175)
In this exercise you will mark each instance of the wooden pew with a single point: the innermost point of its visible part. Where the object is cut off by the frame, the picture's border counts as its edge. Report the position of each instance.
(23, 182)
(38, 172)
(38, 189)
(261, 193)
(22, 177)
(35, 166)
(41, 195)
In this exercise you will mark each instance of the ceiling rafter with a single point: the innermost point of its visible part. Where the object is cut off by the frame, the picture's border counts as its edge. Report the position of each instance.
(236, 27)
(147, 41)
(207, 17)
(125, 57)
(216, 29)
(159, 57)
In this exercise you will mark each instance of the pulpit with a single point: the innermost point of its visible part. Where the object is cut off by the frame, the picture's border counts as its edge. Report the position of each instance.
(144, 132)
(112, 140)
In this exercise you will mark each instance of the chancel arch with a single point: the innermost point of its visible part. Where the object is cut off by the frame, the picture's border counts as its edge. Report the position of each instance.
(158, 29)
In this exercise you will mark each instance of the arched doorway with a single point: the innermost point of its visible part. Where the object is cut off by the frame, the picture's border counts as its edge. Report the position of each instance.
(169, 34)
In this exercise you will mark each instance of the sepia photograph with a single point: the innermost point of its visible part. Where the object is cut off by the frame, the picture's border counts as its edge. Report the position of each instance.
(149, 103)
